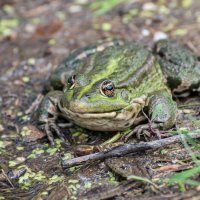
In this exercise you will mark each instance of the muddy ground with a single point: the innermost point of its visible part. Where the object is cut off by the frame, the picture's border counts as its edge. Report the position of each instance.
(35, 36)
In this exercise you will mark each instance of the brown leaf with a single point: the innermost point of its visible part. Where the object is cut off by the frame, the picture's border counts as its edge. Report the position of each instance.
(48, 29)
(34, 135)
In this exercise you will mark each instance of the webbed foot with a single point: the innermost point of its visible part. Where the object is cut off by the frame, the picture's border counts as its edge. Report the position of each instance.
(47, 115)
(52, 127)
(147, 131)
(162, 111)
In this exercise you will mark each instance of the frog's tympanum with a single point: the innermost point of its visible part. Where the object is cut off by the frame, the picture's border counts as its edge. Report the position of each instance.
(106, 87)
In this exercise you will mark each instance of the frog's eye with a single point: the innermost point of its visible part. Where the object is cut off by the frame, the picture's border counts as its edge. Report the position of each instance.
(107, 88)
(71, 81)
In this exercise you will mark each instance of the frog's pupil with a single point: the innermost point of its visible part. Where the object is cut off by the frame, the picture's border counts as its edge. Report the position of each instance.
(70, 80)
(109, 87)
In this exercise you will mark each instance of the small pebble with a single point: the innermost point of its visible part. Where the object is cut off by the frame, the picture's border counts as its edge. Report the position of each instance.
(20, 159)
(145, 32)
(75, 9)
(8, 143)
(1, 128)
(17, 161)
(82, 1)
(159, 36)
(149, 6)
(30, 28)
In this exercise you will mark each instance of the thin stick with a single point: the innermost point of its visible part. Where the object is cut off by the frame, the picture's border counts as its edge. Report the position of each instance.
(128, 148)
(5, 175)
(35, 104)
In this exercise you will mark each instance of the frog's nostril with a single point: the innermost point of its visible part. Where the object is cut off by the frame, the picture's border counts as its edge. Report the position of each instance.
(87, 95)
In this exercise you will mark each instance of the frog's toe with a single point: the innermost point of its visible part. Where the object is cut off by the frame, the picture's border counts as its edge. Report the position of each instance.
(147, 130)
(53, 127)
(60, 134)
(49, 134)
(136, 131)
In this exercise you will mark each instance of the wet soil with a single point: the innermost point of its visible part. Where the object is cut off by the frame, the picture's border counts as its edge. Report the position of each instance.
(35, 36)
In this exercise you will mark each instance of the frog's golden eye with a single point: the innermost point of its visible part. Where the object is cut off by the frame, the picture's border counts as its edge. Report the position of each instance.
(107, 88)
(71, 81)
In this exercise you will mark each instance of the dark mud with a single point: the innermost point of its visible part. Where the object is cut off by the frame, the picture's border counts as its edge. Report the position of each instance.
(35, 36)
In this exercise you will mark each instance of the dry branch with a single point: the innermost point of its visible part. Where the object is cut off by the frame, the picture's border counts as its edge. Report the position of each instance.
(128, 148)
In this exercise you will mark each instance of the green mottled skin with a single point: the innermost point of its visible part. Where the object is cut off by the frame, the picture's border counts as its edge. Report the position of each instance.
(179, 65)
(135, 72)
(117, 64)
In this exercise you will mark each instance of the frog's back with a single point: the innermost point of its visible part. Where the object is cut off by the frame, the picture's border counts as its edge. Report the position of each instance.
(77, 61)
(129, 66)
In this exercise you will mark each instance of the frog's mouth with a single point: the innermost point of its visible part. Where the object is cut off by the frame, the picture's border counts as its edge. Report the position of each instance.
(108, 121)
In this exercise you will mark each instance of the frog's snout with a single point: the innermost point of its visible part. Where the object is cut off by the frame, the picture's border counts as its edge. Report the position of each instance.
(78, 106)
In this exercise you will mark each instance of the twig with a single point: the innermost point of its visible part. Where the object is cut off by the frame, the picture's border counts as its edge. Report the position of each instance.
(35, 104)
(5, 175)
(128, 148)
(189, 105)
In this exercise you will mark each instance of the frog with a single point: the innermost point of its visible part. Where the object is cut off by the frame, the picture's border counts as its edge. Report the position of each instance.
(113, 86)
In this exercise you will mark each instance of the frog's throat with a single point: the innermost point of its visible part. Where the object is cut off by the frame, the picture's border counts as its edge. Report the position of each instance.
(108, 121)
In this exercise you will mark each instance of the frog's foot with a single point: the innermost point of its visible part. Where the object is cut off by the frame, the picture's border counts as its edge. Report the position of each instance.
(147, 130)
(47, 116)
(52, 127)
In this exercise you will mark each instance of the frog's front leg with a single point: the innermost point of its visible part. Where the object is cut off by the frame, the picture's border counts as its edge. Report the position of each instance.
(162, 112)
(48, 113)
(162, 109)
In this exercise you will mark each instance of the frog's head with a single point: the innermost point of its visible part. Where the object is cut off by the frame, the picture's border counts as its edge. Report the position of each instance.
(105, 93)
(85, 95)
(98, 104)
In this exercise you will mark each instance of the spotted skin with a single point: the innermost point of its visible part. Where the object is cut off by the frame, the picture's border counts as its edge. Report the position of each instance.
(180, 66)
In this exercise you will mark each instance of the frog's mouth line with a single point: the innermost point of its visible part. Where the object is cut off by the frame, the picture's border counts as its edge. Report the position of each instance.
(108, 121)
(111, 114)
(136, 105)
(91, 115)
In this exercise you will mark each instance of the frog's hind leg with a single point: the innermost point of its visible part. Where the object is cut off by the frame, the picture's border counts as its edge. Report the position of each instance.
(180, 67)
(47, 114)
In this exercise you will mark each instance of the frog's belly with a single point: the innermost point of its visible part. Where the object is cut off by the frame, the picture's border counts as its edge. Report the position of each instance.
(111, 121)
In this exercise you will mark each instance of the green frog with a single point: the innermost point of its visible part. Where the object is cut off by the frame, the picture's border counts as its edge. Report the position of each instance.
(107, 87)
